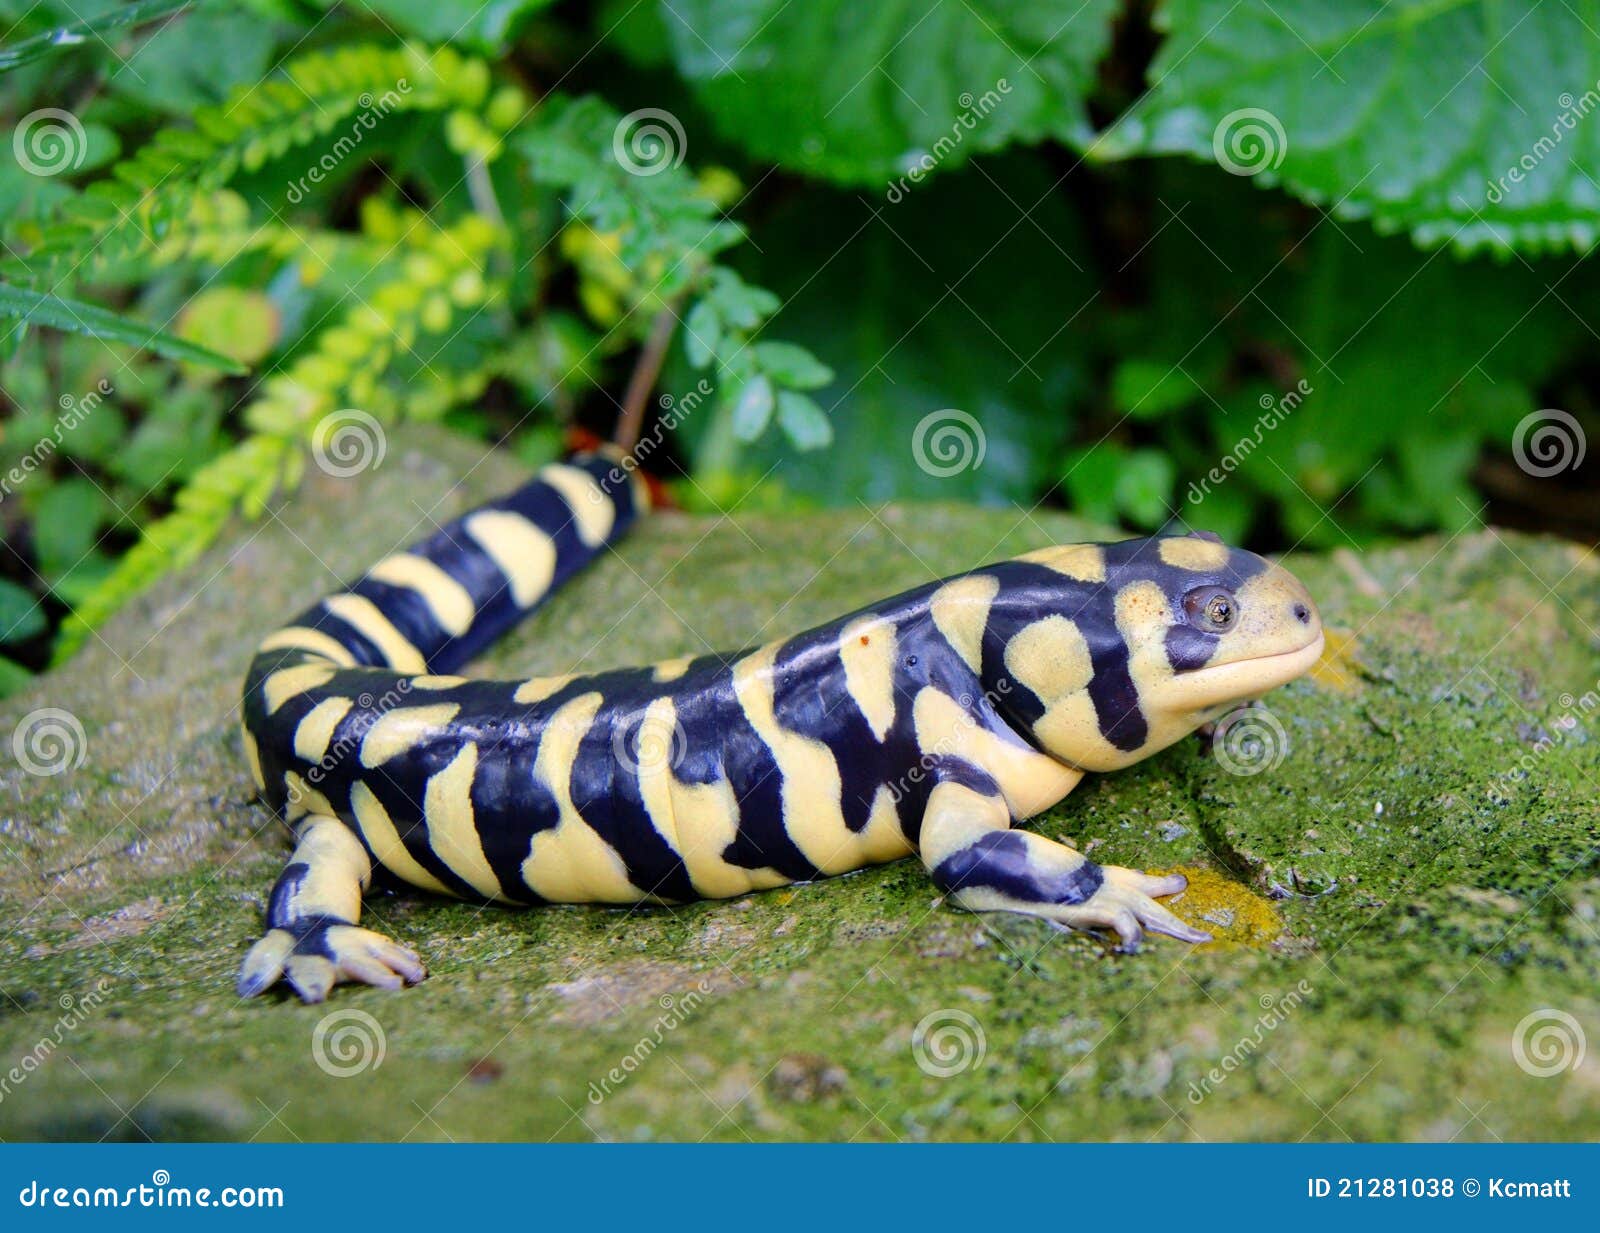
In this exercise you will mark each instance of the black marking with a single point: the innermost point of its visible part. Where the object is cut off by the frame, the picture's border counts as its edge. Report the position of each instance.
(1189, 648)
(999, 861)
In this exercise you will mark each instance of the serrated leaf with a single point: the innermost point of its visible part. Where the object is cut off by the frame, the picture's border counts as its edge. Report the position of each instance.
(1461, 123)
(803, 422)
(752, 408)
(865, 93)
(78, 317)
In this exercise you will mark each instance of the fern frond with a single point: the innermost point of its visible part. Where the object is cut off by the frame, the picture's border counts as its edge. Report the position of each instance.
(145, 205)
(439, 281)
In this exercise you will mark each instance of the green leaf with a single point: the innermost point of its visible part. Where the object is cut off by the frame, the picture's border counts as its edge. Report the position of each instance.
(792, 365)
(1144, 488)
(67, 37)
(805, 423)
(197, 58)
(485, 24)
(78, 317)
(877, 93)
(963, 395)
(14, 678)
(1090, 479)
(67, 517)
(702, 332)
(752, 408)
(21, 614)
(1149, 389)
(1461, 123)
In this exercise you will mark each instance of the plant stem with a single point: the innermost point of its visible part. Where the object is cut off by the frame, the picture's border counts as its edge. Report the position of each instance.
(643, 380)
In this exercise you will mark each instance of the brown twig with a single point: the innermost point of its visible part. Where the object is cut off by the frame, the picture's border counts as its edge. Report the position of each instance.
(643, 380)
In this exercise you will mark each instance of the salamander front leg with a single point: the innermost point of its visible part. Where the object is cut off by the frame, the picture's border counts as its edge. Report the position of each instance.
(312, 936)
(983, 865)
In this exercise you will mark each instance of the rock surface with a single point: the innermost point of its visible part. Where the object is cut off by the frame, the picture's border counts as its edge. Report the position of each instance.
(1407, 902)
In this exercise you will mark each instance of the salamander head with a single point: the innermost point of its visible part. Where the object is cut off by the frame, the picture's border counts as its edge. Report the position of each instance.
(1178, 631)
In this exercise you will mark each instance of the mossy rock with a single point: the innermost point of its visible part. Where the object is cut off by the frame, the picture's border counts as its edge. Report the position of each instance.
(1408, 902)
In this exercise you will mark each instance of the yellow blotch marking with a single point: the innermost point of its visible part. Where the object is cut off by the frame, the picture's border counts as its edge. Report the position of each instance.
(592, 511)
(883, 839)
(337, 869)
(521, 551)
(1084, 562)
(961, 612)
(365, 617)
(252, 755)
(316, 729)
(569, 862)
(540, 688)
(671, 669)
(1029, 780)
(378, 829)
(1050, 657)
(1196, 554)
(303, 798)
(1338, 668)
(452, 607)
(289, 683)
(453, 827)
(812, 804)
(403, 728)
(1229, 911)
(299, 638)
(867, 648)
(437, 682)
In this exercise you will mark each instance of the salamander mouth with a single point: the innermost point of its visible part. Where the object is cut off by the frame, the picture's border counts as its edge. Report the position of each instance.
(1246, 678)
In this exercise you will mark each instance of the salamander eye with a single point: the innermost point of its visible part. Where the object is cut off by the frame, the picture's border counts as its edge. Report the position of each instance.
(1212, 609)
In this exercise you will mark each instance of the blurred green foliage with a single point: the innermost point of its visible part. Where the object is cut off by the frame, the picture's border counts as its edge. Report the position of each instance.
(993, 250)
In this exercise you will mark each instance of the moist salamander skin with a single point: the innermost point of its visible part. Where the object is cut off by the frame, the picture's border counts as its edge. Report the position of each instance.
(923, 725)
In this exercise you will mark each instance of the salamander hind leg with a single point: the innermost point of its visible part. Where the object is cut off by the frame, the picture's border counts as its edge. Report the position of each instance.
(983, 865)
(312, 937)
